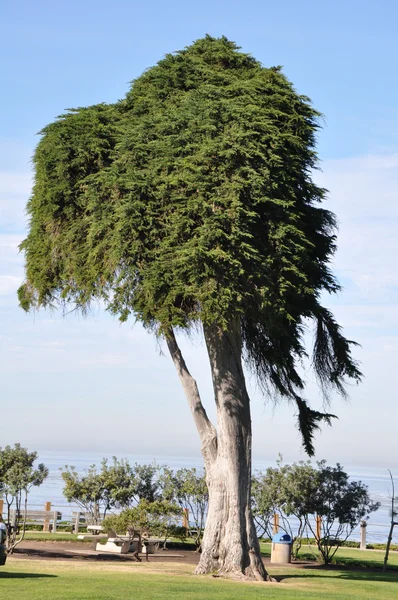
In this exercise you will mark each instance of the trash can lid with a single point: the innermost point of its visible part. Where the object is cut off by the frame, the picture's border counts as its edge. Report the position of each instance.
(281, 538)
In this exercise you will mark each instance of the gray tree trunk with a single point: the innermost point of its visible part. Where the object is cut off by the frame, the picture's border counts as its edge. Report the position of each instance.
(393, 523)
(389, 540)
(230, 545)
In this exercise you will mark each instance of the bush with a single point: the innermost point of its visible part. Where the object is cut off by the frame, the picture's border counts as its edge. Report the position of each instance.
(148, 519)
(307, 492)
(18, 475)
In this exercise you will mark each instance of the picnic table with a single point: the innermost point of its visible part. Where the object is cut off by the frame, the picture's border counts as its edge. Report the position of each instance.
(95, 532)
(122, 544)
(95, 529)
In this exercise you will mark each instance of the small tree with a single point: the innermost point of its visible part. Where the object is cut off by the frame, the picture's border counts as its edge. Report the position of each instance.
(96, 492)
(147, 482)
(305, 492)
(145, 519)
(263, 507)
(188, 489)
(341, 504)
(394, 519)
(285, 491)
(18, 475)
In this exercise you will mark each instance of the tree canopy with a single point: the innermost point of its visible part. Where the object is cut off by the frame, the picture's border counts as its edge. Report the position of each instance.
(192, 200)
(306, 492)
(18, 474)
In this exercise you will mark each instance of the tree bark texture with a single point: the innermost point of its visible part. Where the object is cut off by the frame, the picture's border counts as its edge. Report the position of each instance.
(230, 546)
(389, 540)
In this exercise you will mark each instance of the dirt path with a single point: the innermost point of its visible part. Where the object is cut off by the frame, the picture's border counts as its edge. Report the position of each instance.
(85, 552)
(172, 561)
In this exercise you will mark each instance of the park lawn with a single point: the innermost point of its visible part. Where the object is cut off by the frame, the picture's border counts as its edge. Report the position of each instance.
(43, 536)
(45, 580)
(346, 556)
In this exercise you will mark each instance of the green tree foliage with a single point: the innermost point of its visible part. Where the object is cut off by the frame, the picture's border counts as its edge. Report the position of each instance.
(147, 482)
(96, 492)
(18, 474)
(285, 491)
(159, 518)
(305, 492)
(342, 504)
(190, 201)
(115, 485)
(187, 488)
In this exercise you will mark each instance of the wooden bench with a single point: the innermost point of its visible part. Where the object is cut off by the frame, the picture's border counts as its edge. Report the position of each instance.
(95, 529)
(47, 518)
(79, 520)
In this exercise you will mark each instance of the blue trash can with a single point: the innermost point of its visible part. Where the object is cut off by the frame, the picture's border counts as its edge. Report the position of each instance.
(281, 549)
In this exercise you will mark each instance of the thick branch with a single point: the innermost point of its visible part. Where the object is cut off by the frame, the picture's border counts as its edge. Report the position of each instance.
(206, 429)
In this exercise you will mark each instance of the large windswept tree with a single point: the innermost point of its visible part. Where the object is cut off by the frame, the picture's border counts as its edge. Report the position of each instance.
(188, 203)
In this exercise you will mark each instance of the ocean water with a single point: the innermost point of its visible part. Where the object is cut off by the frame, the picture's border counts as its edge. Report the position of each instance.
(377, 480)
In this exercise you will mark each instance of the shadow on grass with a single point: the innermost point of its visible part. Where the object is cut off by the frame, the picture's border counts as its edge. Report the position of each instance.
(363, 564)
(6, 575)
(346, 575)
(38, 553)
(340, 563)
(389, 576)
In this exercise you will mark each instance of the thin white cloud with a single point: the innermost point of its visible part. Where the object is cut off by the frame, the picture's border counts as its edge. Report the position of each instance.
(15, 183)
(9, 284)
(105, 360)
(363, 194)
(15, 189)
(9, 249)
(376, 318)
(15, 155)
(11, 268)
(97, 361)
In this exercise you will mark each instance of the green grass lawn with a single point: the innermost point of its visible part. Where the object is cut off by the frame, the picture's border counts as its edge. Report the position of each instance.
(34, 580)
(347, 557)
(344, 556)
(42, 536)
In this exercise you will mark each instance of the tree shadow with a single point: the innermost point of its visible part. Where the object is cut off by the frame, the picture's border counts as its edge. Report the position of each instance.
(347, 575)
(7, 575)
(391, 576)
(38, 553)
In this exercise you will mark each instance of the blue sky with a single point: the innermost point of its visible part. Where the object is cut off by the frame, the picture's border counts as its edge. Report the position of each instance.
(67, 383)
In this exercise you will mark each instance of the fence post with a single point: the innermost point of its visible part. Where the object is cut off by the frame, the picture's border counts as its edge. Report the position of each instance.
(55, 518)
(318, 527)
(185, 518)
(77, 523)
(362, 545)
(275, 528)
(1, 507)
(46, 524)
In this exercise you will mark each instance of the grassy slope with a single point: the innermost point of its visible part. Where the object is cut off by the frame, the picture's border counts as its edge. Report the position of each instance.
(31, 580)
